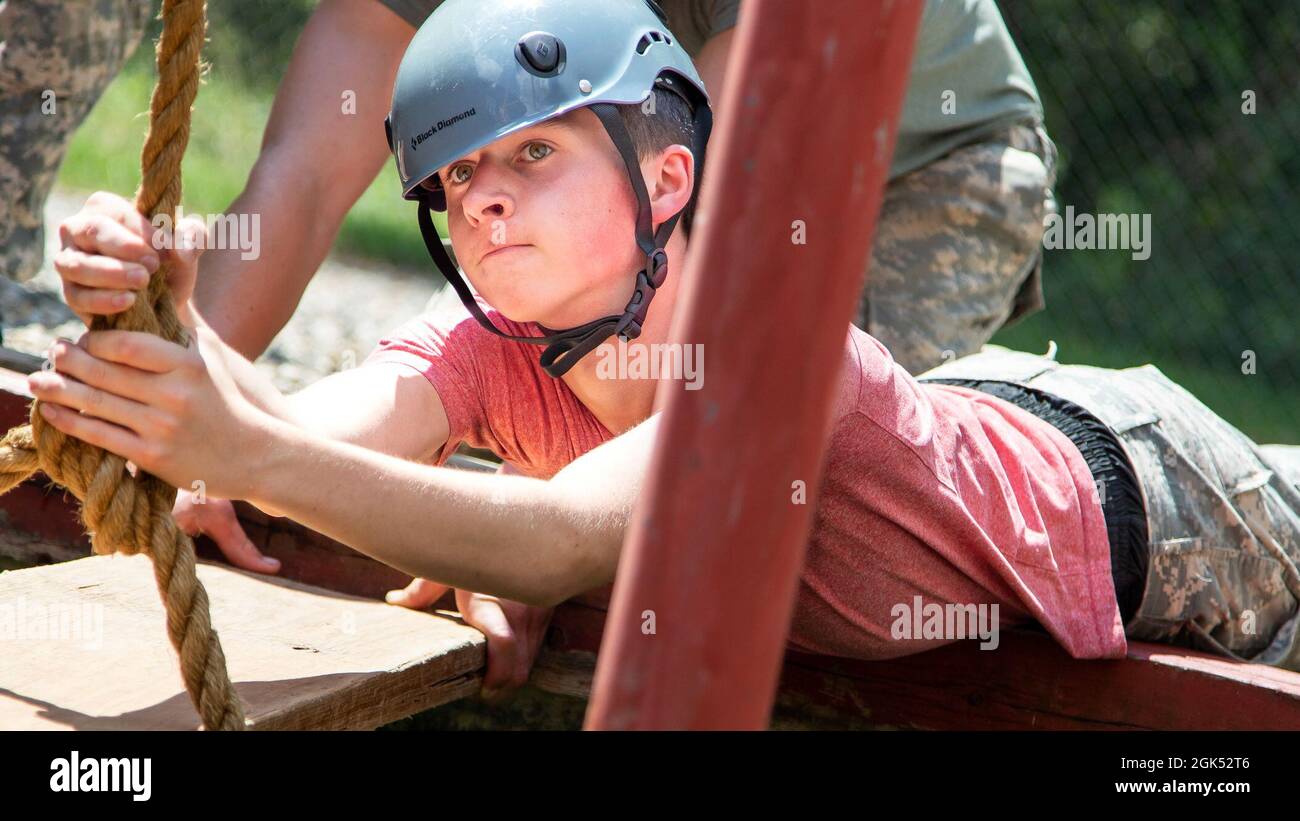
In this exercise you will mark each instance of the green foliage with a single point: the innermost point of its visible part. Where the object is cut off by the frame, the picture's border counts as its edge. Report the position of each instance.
(250, 40)
(1145, 101)
(247, 52)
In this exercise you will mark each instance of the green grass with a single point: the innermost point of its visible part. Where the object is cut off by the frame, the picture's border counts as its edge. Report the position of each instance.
(225, 138)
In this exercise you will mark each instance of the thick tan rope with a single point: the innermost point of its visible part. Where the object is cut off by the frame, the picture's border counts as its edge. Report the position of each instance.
(126, 514)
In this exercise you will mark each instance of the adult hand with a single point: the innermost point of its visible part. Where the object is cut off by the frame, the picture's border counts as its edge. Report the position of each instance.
(514, 631)
(110, 250)
(176, 412)
(216, 518)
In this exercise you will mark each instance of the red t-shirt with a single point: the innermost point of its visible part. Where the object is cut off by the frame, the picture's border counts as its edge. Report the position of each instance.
(934, 491)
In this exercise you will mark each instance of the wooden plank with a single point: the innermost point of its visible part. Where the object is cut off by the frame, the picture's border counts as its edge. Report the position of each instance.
(84, 647)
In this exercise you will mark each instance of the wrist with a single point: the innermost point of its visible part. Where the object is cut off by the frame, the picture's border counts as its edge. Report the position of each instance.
(275, 441)
(255, 386)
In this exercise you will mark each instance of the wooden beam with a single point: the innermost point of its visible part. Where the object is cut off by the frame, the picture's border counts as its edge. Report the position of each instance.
(1030, 682)
(716, 543)
(15, 399)
(19, 362)
(85, 648)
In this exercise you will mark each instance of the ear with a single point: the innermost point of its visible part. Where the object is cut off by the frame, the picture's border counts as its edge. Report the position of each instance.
(670, 179)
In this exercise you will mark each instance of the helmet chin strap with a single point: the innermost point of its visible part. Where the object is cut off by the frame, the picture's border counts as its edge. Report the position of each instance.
(566, 347)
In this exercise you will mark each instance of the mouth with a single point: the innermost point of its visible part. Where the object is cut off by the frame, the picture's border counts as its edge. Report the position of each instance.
(499, 250)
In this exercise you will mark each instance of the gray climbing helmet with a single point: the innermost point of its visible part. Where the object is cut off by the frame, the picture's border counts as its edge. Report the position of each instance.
(476, 72)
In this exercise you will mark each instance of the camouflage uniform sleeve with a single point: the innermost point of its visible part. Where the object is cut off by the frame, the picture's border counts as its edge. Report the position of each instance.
(56, 59)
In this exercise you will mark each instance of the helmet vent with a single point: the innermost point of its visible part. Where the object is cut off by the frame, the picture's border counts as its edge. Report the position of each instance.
(650, 38)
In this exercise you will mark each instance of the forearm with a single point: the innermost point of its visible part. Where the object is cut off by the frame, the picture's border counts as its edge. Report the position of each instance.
(252, 384)
(248, 301)
(323, 146)
(515, 537)
(368, 406)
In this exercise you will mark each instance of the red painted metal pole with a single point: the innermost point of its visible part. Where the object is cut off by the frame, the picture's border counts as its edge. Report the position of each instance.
(706, 585)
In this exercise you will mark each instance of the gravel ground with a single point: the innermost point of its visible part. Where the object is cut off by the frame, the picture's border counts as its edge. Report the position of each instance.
(348, 306)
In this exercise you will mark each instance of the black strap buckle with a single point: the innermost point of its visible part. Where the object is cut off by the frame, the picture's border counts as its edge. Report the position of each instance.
(629, 324)
(657, 264)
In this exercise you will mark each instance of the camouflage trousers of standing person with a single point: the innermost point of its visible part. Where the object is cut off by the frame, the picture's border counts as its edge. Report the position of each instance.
(56, 59)
(958, 248)
(1223, 513)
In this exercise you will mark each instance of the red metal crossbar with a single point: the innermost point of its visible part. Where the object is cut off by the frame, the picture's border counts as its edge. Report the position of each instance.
(806, 130)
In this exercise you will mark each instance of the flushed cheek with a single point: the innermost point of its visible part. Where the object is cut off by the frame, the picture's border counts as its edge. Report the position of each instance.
(600, 237)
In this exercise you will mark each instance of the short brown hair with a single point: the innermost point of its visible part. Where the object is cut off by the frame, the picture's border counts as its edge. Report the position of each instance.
(671, 123)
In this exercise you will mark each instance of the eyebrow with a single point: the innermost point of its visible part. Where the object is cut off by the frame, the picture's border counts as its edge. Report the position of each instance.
(556, 124)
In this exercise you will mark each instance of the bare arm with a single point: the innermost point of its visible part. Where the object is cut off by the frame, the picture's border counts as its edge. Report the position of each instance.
(374, 406)
(385, 407)
(315, 162)
(533, 541)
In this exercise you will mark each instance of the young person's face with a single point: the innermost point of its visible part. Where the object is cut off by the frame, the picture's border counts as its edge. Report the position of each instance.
(543, 220)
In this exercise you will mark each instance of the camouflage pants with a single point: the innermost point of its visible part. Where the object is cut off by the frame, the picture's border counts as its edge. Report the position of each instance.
(958, 249)
(1223, 513)
(56, 59)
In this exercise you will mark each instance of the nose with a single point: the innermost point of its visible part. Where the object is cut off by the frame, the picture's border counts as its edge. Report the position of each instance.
(487, 197)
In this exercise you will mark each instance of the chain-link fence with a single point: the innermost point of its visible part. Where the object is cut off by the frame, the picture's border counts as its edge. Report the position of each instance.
(1187, 111)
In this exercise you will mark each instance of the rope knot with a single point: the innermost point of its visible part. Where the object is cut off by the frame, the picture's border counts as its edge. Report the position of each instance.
(132, 514)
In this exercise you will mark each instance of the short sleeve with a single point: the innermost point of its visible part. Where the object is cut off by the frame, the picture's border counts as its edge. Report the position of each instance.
(450, 350)
(722, 15)
(414, 12)
(494, 391)
(693, 22)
